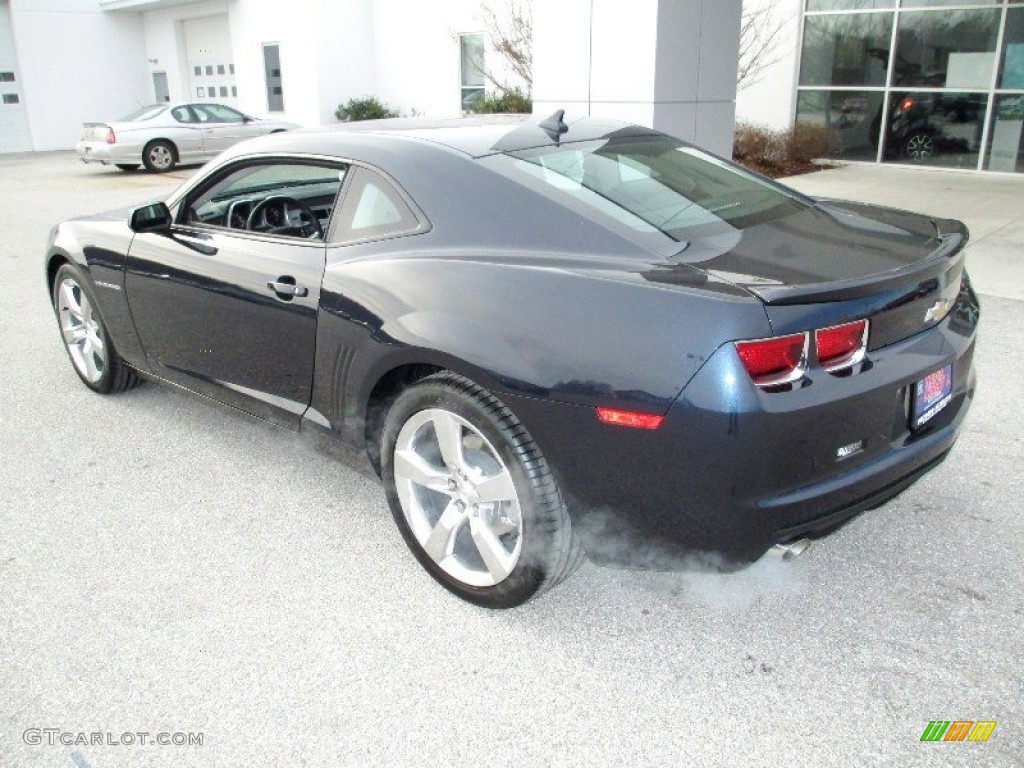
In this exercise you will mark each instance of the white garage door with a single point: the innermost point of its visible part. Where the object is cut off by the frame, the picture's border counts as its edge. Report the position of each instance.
(211, 66)
(14, 133)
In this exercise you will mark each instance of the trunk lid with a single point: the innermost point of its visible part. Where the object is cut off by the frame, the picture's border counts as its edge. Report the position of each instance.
(95, 131)
(839, 261)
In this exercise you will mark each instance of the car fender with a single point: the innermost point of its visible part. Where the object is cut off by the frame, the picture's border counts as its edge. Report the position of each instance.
(98, 246)
(461, 338)
(608, 338)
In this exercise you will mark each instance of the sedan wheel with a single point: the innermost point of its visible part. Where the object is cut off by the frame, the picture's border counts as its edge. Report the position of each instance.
(85, 337)
(472, 495)
(159, 156)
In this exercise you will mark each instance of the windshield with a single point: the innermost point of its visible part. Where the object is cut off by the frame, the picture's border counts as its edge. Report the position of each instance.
(144, 113)
(659, 183)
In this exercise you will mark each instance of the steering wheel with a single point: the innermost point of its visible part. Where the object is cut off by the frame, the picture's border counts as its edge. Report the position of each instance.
(281, 215)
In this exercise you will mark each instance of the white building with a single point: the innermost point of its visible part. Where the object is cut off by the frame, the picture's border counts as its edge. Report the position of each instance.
(667, 63)
(939, 82)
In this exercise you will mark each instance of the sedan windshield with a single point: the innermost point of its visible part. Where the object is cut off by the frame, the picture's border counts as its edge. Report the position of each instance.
(659, 183)
(144, 113)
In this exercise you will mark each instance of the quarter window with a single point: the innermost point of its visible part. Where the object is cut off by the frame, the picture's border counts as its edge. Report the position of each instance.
(373, 209)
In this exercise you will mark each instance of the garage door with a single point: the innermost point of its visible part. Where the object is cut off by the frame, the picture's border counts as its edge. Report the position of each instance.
(211, 65)
(14, 133)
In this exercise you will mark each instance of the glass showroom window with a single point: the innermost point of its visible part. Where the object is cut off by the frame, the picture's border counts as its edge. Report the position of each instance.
(854, 116)
(849, 49)
(937, 82)
(472, 67)
(954, 49)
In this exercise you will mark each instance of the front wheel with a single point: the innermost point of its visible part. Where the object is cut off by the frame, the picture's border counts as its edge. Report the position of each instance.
(85, 336)
(472, 495)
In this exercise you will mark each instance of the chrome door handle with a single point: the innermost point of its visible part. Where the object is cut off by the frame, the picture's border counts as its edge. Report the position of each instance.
(288, 289)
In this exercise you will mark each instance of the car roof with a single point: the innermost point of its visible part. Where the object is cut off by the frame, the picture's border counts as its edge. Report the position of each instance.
(478, 136)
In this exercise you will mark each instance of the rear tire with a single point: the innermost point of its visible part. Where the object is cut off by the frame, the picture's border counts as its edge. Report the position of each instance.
(483, 515)
(159, 156)
(86, 340)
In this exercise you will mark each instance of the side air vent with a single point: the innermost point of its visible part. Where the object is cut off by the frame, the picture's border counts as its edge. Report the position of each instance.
(339, 381)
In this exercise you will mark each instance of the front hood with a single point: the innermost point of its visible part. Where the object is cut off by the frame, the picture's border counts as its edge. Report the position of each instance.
(829, 251)
(119, 215)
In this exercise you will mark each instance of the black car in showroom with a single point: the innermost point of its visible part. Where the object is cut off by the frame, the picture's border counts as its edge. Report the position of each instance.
(550, 341)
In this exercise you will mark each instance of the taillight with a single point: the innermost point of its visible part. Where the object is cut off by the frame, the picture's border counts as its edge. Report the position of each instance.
(633, 419)
(841, 346)
(774, 361)
(111, 138)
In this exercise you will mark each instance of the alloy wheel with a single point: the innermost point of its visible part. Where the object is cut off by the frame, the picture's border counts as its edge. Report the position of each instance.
(920, 147)
(161, 157)
(81, 331)
(458, 497)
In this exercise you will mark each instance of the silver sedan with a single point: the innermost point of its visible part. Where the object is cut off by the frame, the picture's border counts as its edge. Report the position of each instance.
(163, 135)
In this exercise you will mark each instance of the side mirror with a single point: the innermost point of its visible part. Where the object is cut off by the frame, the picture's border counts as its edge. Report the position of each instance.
(155, 217)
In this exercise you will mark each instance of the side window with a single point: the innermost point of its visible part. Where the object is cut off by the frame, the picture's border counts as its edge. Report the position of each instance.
(182, 115)
(224, 114)
(373, 209)
(281, 197)
(215, 113)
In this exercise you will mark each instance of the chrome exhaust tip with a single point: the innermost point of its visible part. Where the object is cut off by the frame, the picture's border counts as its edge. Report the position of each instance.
(789, 550)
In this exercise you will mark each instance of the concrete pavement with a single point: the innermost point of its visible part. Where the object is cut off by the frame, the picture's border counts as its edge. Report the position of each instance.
(169, 566)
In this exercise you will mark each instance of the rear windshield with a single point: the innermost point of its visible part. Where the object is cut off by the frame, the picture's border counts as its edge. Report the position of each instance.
(144, 113)
(658, 183)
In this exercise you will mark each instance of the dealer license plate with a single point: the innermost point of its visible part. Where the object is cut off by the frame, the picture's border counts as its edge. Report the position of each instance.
(931, 395)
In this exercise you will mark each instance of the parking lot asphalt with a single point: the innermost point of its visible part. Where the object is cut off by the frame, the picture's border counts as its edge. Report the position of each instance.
(169, 566)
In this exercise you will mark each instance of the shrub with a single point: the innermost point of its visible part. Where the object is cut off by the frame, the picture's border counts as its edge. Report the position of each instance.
(784, 153)
(805, 142)
(756, 143)
(509, 101)
(366, 108)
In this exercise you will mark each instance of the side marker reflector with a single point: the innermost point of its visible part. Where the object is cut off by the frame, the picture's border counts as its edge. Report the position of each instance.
(629, 418)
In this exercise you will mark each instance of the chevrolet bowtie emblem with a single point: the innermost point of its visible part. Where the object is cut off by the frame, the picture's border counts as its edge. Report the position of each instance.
(937, 311)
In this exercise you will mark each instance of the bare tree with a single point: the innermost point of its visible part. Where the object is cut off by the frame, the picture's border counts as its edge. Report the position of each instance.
(761, 34)
(510, 30)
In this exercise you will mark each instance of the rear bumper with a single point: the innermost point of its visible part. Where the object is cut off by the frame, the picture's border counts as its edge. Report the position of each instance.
(101, 152)
(734, 469)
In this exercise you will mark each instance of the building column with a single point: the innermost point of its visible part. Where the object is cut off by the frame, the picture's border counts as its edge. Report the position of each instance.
(667, 64)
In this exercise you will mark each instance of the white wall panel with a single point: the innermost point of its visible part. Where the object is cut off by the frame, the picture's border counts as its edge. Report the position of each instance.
(14, 132)
(77, 64)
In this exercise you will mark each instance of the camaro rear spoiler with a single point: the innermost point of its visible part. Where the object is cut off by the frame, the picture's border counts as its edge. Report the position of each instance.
(935, 264)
